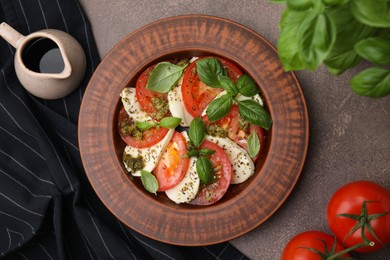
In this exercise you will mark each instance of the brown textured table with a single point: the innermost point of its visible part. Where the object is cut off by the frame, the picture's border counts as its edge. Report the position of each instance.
(349, 135)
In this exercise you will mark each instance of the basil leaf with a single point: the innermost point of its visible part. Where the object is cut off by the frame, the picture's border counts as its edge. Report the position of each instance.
(204, 168)
(208, 70)
(206, 152)
(288, 42)
(335, 2)
(349, 31)
(144, 125)
(317, 34)
(192, 153)
(218, 108)
(228, 85)
(149, 181)
(197, 131)
(247, 86)
(372, 12)
(164, 76)
(375, 50)
(373, 82)
(170, 122)
(299, 5)
(253, 144)
(252, 112)
(278, 1)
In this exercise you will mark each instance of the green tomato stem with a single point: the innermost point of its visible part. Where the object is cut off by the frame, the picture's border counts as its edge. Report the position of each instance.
(349, 249)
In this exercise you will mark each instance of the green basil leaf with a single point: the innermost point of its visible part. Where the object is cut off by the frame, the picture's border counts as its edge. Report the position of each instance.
(375, 50)
(228, 85)
(317, 34)
(193, 153)
(288, 42)
(164, 76)
(208, 70)
(375, 13)
(247, 86)
(349, 31)
(218, 108)
(170, 122)
(253, 144)
(373, 82)
(299, 5)
(205, 170)
(206, 152)
(197, 131)
(335, 2)
(149, 181)
(278, 1)
(252, 112)
(144, 125)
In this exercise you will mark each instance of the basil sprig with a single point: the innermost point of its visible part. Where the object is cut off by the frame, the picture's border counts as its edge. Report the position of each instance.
(204, 166)
(164, 76)
(149, 181)
(210, 72)
(167, 122)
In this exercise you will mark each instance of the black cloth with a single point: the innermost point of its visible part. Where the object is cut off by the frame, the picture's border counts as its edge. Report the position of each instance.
(48, 209)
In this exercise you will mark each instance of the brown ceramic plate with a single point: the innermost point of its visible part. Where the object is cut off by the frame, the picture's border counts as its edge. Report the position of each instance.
(245, 206)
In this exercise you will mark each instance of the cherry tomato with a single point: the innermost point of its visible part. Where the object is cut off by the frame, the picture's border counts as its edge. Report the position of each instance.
(298, 248)
(196, 94)
(149, 137)
(351, 199)
(146, 97)
(173, 165)
(213, 192)
(231, 123)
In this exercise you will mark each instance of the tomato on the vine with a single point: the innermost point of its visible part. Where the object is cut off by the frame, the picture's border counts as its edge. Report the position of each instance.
(360, 212)
(312, 245)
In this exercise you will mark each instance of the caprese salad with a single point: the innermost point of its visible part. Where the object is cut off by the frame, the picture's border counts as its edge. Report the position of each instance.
(192, 128)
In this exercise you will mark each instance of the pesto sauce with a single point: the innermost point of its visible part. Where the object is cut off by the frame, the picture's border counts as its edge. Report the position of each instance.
(128, 127)
(161, 106)
(216, 130)
(243, 124)
(134, 164)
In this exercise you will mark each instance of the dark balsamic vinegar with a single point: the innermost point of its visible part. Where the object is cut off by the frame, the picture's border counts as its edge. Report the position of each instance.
(42, 55)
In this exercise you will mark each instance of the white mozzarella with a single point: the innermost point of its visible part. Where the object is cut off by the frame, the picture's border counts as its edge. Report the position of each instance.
(242, 164)
(133, 107)
(150, 156)
(176, 105)
(188, 187)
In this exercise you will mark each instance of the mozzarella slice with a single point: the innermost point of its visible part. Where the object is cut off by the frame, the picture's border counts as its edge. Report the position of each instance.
(188, 187)
(150, 155)
(133, 107)
(242, 164)
(176, 105)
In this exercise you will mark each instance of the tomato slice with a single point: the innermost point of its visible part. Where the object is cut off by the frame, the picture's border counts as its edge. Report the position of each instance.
(152, 102)
(213, 192)
(149, 137)
(231, 123)
(173, 165)
(196, 94)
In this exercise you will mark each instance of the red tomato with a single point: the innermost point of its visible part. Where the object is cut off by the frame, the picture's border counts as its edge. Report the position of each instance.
(145, 96)
(231, 123)
(196, 94)
(297, 247)
(173, 165)
(213, 192)
(150, 137)
(349, 200)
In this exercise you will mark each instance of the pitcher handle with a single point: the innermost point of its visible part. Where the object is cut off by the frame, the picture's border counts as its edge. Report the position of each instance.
(12, 36)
